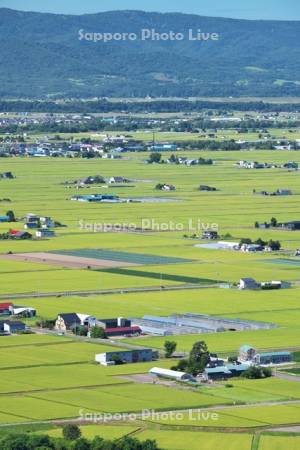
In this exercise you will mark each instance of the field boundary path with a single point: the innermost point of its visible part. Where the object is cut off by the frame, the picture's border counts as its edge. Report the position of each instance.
(107, 291)
(139, 416)
(286, 376)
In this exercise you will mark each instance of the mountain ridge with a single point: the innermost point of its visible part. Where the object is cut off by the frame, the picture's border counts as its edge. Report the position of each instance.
(43, 56)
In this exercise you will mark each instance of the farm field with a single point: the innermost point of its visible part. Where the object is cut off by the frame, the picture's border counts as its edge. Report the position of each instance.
(240, 417)
(172, 440)
(45, 377)
(254, 391)
(53, 354)
(279, 442)
(131, 397)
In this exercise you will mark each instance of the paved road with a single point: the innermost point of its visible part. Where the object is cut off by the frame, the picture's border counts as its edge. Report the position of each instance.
(286, 376)
(288, 429)
(107, 291)
(102, 418)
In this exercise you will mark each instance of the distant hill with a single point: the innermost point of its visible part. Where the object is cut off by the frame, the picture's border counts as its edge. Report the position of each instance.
(42, 55)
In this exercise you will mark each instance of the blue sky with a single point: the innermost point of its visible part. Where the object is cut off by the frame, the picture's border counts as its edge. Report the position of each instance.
(246, 9)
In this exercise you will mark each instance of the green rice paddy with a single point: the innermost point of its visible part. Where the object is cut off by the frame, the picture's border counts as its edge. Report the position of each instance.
(52, 377)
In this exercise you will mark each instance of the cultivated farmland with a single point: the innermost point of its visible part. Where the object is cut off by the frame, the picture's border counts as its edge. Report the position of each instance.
(46, 377)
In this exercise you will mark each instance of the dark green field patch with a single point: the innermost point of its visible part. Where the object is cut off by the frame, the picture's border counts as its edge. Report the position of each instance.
(159, 276)
(113, 255)
(289, 262)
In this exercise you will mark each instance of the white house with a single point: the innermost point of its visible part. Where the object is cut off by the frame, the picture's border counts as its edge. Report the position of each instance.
(125, 356)
(168, 187)
(173, 374)
(248, 283)
(117, 180)
(23, 311)
(43, 233)
(229, 245)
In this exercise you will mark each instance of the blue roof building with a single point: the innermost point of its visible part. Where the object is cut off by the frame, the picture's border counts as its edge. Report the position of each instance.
(225, 372)
(274, 357)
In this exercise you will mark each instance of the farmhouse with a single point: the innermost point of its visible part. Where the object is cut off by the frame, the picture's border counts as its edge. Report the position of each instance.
(212, 235)
(250, 356)
(123, 331)
(274, 358)
(126, 356)
(7, 175)
(34, 221)
(283, 192)
(292, 226)
(168, 187)
(96, 198)
(252, 248)
(16, 234)
(113, 180)
(290, 165)
(269, 285)
(97, 179)
(165, 187)
(118, 327)
(44, 233)
(203, 187)
(172, 374)
(252, 165)
(112, 327)
(23, 311)
(6, 308)
(11, 327)
(31, 225)
(249, 284)
(224, 372)
(279, 192)
(14, 310)
(67, 321)
(247, 353)
(216, 373)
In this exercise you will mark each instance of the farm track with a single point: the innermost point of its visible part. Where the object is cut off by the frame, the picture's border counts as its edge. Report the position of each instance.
(139, 416)
(106, 291)
(34, 391)
(286, 376)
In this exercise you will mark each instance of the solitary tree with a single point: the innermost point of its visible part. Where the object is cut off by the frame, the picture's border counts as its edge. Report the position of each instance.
(232, 359)
(98, 333)
(260, 242)
(170, 347)
(199, 358)
(71, 432)
(155, 158)
(80, 330)
(246, 241)
(274, 245)
(273, 222)
(11, 216)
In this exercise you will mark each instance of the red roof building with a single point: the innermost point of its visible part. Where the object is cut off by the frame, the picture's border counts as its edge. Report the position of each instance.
(123, 331)
(13, 232)
(5, 307)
